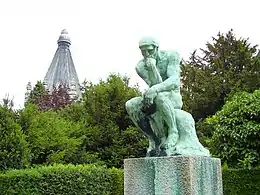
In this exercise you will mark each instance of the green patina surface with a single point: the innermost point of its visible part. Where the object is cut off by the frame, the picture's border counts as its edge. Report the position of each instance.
(176, 175)
(158, 114)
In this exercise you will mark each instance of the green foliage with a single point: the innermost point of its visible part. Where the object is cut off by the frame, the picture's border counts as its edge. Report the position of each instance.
(63, 179)
(75, 112)
(94, 130)
(51, 135)
(226, 66)
(132, 143)
(13, 147)
(236, 138)
(204, 132)
(49, 138)
(106, 131)
(26, 115)
(37, 92)
(116, 146)
(236, 181)
(107, 144)
(92, 179)
(105, 101)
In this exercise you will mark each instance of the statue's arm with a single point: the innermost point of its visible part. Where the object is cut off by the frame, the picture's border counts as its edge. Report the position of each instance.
(173, 74)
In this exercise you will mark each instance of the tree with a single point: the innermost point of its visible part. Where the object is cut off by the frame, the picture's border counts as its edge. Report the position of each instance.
(113, 146)
(13, 147)
(106, 100)
(37, 92)
(7, 102)
(107, 131)
(49, 137)
(58, 98)
(94, 130)
(236, 137)
(226, 66)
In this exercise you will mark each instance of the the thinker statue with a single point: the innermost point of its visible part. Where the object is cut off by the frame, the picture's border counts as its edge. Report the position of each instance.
(158, 114)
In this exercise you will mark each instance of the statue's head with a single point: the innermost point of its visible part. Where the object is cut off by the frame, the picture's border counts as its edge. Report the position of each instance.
(149, 47)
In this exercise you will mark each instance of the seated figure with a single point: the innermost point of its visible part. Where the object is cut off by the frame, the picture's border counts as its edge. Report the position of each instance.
(158, 114)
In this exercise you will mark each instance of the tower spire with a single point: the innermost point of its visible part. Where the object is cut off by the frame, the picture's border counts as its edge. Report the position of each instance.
(62, 70)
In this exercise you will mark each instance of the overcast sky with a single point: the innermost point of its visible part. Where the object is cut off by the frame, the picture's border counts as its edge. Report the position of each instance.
(105, 34)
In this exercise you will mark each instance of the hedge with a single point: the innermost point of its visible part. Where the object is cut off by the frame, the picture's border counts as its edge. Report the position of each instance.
(92, 179)
(241, 181)
(63, 179)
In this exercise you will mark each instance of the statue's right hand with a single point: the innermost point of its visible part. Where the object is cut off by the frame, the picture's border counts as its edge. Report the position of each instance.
(150, 63)
(148, 96)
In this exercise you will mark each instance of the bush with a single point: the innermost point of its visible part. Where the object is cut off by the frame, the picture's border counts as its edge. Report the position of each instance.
(236, 137)
(92, 179)
(241, 181)
(204, 132)
(63, 179)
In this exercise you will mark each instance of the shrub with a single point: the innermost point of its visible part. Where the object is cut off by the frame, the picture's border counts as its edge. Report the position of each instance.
(241, 181)
(236, 137)
(92, 179)
(63, 179)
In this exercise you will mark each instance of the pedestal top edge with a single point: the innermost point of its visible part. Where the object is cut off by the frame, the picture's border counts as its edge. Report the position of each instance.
(172, 157)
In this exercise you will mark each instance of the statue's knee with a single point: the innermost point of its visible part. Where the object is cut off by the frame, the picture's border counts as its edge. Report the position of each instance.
(178, 101)
(132, 104)
(128, 105)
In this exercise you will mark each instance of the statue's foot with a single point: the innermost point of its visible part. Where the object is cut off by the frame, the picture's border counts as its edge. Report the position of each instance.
(172, 139)
(171, 142)
(170, 149)
(153, 153)
(163, 153)
(156, 153)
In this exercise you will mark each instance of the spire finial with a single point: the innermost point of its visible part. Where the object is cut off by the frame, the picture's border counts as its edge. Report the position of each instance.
(64, 37)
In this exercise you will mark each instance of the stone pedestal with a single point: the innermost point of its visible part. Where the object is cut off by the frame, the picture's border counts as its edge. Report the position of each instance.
(174, 175)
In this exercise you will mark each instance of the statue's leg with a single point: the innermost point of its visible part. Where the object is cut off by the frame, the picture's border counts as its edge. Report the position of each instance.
(156, 124)
(133, 108)
(166, 108)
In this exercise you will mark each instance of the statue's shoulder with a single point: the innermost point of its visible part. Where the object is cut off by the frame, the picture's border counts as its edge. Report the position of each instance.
(171, 54)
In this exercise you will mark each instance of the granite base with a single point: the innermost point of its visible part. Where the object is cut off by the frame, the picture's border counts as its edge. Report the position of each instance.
(173, 175)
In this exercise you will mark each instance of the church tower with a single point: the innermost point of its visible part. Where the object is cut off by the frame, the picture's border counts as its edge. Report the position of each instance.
(62, 70)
